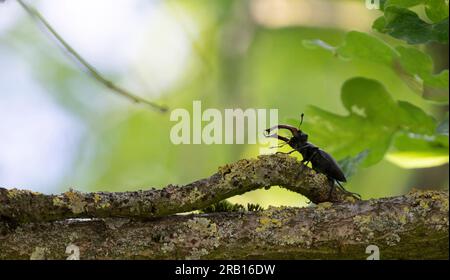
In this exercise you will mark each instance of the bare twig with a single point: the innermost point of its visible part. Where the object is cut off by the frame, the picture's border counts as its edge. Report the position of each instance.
(89, 68)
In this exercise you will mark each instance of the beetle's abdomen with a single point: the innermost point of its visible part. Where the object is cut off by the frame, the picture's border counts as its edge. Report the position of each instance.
(326, 164)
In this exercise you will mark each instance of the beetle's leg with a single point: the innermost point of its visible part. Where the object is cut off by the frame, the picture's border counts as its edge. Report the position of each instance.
(333, 186)
(308, 160)
(279, 146)
(356, 195)
(288, 153)
(292, 129)
(331, 180)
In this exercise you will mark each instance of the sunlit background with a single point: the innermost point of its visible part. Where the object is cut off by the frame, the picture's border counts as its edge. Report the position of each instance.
(61, 129)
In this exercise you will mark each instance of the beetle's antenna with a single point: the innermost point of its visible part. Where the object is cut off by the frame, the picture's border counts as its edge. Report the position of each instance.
(301, 120)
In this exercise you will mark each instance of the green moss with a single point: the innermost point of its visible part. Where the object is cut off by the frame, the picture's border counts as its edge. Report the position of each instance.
(203, 226)
(351, 199)
(39, 253)
(194, 195)
(97, 198)
(57, 201)
(392, 239)
(424, 204)
(443, 203)
(197, 253)
(104, 205)
(362, 221)
(202, 237)
(13, 193)
(226, 206)
(168, 247)
(303, 237)
(271, 218)
(403, 218)
(76, 202)
(324, 205)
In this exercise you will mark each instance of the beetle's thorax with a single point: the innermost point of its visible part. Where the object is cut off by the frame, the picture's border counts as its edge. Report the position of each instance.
(298, 141)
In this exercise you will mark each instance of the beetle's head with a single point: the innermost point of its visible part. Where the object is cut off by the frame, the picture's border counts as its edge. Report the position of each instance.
(303, 137)
(300, 135)
(299, 138)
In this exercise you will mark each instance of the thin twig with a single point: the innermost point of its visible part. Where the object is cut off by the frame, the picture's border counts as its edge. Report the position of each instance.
(90, 69)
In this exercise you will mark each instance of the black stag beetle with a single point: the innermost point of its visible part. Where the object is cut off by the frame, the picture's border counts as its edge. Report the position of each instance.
(320, 160)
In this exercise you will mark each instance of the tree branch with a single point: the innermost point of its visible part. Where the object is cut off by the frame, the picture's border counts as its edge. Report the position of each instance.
(132, 225)
(413, 226)
(230, 180)
(33, 13)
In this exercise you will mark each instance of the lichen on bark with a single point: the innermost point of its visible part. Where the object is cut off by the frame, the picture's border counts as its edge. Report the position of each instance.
(413, 226)
(144, 224)
(230, 180)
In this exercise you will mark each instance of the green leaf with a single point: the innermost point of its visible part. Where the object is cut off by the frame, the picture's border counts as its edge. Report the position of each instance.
(403, 3)
(418, 151)
(313, 44)
(412, 65)
(360, 95)
(413, 119)
(373, 120)
(350, 165)
(404, 24)
(344, 136)
(436, 10)
(443, 126)
(416, 69)
(415, 61)
(358, 45)
(363, 46)
(436, 87)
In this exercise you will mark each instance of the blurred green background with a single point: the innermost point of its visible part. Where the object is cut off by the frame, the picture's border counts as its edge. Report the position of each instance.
(60, 129)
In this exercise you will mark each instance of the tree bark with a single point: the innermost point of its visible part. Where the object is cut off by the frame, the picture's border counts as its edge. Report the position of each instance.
(230, 180)
(413, 226)
(142, 224)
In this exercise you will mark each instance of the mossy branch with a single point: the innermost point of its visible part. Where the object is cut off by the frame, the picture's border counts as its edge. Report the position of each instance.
(230, 180)
(413, 226)
(135, 225)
